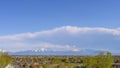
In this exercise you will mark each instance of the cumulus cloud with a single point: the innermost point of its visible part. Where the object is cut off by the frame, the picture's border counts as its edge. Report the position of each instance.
(69, 29)
(63, 38)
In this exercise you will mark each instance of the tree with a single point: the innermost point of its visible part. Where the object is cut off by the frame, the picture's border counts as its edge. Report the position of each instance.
(105, 61)
(109, 60)
(89, 62)
(5, 60)
(100, 61)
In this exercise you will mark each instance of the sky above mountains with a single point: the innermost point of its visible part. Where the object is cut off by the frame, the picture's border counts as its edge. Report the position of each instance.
(60, 24)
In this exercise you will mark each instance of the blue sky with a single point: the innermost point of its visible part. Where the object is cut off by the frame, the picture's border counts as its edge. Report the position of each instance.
(45, 14)
(26, 16)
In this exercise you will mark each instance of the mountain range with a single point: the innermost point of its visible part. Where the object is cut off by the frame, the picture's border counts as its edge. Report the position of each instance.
(43, 51)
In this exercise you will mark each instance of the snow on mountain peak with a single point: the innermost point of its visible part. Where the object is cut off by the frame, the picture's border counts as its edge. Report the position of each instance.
(40, 50)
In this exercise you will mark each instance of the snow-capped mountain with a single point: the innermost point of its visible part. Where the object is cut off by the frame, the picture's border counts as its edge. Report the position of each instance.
(43, 51)
(39, 50)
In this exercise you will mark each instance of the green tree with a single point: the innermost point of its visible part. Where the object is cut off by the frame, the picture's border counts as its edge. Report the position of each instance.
(100, 61)
(5, 60)
(109, 60)
(89, 62)
(104, 61)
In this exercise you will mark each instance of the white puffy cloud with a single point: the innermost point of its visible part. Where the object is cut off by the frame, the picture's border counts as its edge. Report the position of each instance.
(63, 38)
(69, 29)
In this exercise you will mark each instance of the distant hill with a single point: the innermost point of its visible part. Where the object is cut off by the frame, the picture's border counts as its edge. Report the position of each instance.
(52, 52)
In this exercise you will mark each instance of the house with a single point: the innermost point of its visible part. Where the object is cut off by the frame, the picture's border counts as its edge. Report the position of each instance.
(116, 65)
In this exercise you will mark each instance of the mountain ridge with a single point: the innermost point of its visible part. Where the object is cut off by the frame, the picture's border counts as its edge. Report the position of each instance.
(43, 51)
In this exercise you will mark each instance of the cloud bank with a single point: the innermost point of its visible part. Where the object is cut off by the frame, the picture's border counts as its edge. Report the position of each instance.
(64, 38)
